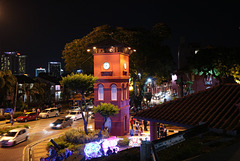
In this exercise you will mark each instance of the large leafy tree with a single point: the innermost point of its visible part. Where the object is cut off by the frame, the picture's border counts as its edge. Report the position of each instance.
(80, 83)
(7, 86)
(106, 110)
(221, 62)
(151, 57)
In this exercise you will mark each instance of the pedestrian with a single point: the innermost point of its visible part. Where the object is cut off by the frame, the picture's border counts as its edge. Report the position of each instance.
(109, 151)
(158, 129)
(66, 153)
(50, 151)
(114, 151)
(137, 128)
(132, 122)
(141, 131)
(145, 125)
(132, 132)
(161, 128)
(12, 121)
(38, 110)
(165, 131)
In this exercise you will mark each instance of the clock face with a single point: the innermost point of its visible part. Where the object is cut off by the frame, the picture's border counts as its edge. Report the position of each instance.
(106, 65)
(125, 65)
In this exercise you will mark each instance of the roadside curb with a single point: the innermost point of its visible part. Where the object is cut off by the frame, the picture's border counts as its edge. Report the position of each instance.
(4, 122)
(27, 151)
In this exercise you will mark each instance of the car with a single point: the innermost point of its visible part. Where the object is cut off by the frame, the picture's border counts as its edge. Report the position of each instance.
(27, 116)
(49, 112)
(14, 137)
(74, 115)
(89, 105)
(73, 108)
(61, 123)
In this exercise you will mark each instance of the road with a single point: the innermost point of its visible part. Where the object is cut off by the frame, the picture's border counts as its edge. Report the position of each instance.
(38, 130)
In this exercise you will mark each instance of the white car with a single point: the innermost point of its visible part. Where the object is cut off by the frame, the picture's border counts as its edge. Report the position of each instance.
(73, 108)
(74, 115)
(14, 137)
(49, 112)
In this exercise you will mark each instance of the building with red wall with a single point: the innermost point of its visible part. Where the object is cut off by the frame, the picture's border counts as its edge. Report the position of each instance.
(111, 68)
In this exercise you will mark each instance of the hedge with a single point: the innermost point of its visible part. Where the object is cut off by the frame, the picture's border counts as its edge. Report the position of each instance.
(6, 129)
(15, 115)
(75, 139)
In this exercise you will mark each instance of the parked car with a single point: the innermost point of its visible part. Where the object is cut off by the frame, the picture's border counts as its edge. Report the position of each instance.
(89, 105)
(49, 112)
(73, 108)
(14, 137)
(75, 115)
(61, 123)
(27, 116)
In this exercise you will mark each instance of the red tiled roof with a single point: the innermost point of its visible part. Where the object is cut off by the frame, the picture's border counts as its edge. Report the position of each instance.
(216, 106)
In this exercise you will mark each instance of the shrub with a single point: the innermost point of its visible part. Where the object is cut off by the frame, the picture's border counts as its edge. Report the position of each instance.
(26, 126)
(78, 136)
(6, 129)
(124, 142)
(75, 139)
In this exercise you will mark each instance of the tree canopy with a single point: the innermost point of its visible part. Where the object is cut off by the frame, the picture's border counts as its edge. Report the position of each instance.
(150, 57)
(221, 62)
(80, 83)
(7, 85)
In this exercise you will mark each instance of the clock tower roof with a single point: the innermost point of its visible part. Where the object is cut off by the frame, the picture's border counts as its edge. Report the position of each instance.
(110, 42)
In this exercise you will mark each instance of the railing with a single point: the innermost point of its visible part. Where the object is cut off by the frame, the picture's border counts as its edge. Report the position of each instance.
(149, 149)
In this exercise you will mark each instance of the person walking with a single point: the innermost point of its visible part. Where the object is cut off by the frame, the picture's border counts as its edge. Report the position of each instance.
(141, 131)
(109, 151)
(132, 132)
(145, 125)
(161, 128)
(12, 121)
(165, 131)
(137, 128)
(132, 122)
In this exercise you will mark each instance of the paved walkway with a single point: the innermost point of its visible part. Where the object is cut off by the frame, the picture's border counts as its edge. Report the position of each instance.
(40, 150)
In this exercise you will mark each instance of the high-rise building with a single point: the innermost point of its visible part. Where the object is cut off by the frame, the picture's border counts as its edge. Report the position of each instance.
(54, 68)
(39, 70)
(13, 61)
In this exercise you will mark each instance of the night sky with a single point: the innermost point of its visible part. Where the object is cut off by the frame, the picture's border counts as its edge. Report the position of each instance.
(40, 29)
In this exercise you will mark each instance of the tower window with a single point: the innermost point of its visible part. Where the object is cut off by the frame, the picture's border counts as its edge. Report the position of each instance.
(113, 92)
(100, 92)
(122, 91)
(126, 91)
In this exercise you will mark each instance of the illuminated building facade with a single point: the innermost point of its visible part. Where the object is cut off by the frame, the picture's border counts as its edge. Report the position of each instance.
(111, 68)
(13, 61)
(40, 70)
(54, 69)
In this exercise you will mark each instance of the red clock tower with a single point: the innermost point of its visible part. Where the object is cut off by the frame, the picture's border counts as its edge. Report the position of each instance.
(111, 68)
